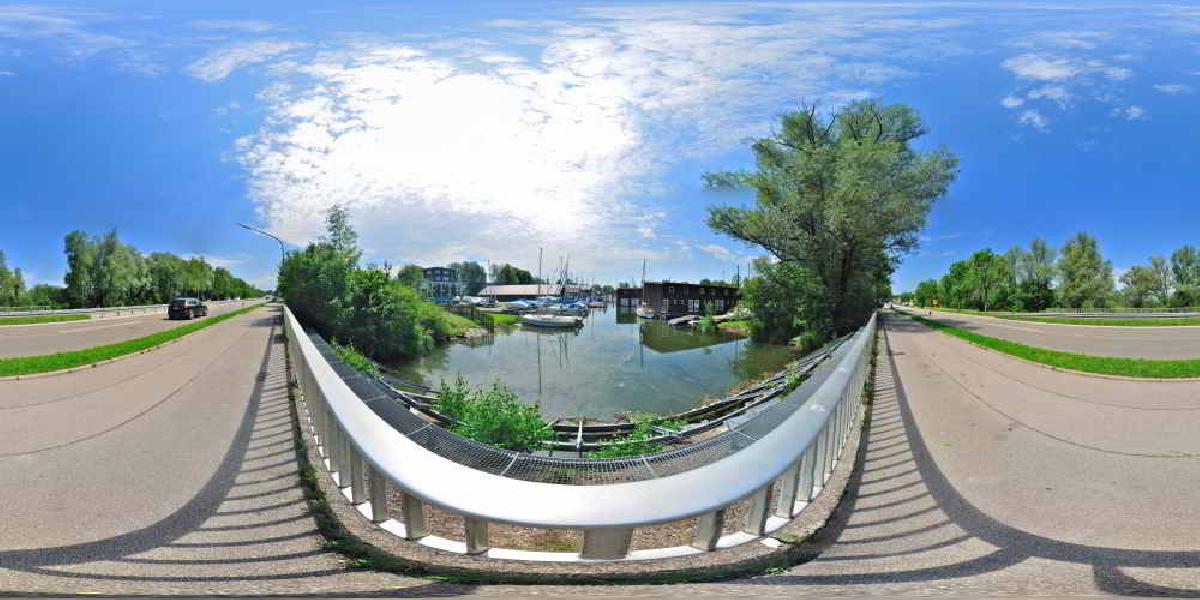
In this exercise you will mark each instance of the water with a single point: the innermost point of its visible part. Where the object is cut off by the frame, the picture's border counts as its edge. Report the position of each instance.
(615, 363)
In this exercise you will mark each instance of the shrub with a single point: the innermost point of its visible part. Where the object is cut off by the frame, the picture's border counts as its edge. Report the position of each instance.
(639, 441)
(351, 356)
(492, 415)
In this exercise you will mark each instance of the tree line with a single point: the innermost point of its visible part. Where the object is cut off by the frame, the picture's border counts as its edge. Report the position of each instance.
(384, 316)
(839, 199)
(103, 271)
(1075, 276)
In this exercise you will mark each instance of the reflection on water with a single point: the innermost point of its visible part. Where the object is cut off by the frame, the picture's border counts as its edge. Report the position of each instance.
(616, 362)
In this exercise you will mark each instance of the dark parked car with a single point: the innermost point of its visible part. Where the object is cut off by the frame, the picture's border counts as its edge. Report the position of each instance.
(186, 308)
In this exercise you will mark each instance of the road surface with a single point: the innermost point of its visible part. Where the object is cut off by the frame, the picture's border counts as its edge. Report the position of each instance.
(47, 338)
(173, 472)
(1162, 342)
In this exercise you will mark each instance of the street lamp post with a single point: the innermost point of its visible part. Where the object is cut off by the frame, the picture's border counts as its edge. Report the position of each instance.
(282, 250)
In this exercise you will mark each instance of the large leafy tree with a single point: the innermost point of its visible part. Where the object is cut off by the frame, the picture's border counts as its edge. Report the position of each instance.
(838, 199)
(1087, 278)
(471, 276)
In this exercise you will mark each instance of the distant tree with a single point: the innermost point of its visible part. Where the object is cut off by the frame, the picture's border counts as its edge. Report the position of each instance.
(1140, 282)
(927, 294)
(1164, 280)
(1086, 277)
(411, 276)
(471, 276)
(1185, 269)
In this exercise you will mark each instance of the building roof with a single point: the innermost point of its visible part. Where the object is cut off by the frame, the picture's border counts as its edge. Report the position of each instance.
(532, 289)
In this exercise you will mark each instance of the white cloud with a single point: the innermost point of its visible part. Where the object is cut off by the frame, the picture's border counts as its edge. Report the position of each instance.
(73, 35)
(244, 26)
(1042, 68)
(7, 74)
(1173, 88)
(1057, 93)
(220, 63)
(1034, 119)
(1012, 102)
(1132, 112)
(718, 252)
(1050, 67)
(467, 152)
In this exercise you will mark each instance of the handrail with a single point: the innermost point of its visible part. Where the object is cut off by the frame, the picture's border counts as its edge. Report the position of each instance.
(802, 448)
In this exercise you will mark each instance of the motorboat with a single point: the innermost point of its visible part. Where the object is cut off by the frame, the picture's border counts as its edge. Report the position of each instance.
(645, 312)
(561, 321)
(596, 304)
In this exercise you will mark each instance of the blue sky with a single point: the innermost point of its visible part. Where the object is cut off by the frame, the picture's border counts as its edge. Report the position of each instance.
(485, 130)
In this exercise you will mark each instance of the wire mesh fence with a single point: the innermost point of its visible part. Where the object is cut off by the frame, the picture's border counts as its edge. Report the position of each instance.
(394, 408)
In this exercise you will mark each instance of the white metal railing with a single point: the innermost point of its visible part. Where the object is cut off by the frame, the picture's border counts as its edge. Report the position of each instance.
(109, 311)
(366, 457)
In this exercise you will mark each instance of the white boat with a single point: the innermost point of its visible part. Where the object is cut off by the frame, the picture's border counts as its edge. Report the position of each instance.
(552, 320)
(646, 312)
(596, 304)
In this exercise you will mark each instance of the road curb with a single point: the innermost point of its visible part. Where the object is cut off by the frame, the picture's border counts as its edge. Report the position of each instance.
(364, 543)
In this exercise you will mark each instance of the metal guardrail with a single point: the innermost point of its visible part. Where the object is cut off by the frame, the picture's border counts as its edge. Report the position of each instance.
(109, 311)
(367, 457)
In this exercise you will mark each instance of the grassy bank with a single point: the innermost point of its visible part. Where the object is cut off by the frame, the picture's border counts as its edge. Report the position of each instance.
(27, 365)
(35, 319)
(1106, 322)
(1105, 365)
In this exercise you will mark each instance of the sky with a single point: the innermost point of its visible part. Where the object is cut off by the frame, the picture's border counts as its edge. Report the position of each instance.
(487, 130)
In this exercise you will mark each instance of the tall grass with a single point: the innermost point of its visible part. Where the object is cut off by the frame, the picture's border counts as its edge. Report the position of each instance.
(493, 415)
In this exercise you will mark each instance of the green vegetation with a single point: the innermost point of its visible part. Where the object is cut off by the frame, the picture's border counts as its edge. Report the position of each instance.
(34, 319)
(1106, 365)
(492, 415)
(27, 365)
(740, 326)
(639, 441)
(502, 319)
(1080, 277)
(1106, 322)
(102, 271)
(838, 200)
(382, 316)
(351, 356)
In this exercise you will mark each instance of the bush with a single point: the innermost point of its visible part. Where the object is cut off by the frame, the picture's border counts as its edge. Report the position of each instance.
(351, 356)
(492, 415)
(639, 441)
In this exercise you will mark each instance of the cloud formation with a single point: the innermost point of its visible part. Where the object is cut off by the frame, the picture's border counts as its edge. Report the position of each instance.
(220, 63)
(469, 151)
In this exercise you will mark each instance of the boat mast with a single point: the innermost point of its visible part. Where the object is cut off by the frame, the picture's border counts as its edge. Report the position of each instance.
(539, 282)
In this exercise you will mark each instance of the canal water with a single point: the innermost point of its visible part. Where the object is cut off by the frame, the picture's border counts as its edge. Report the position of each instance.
(614, 363)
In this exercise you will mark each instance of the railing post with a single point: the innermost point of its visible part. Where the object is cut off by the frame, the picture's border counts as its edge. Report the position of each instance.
(708, 530)
(806, 472)
(606, 543)
(475, 534)
(358, 492)
(413, 517)
(379, 497)
(756, 515)
(788, 484)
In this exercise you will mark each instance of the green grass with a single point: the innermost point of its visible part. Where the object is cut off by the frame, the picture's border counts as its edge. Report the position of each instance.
(28, 365)
(1105, 365)
(34, 319)
(1106, 322)
(503, 318)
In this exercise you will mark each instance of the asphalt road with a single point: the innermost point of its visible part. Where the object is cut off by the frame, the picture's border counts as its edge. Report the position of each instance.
(173, 472)
(47, 338)
(1135, 342)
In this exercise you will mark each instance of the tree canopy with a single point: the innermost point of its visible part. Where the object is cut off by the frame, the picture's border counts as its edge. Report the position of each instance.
(839, 199)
